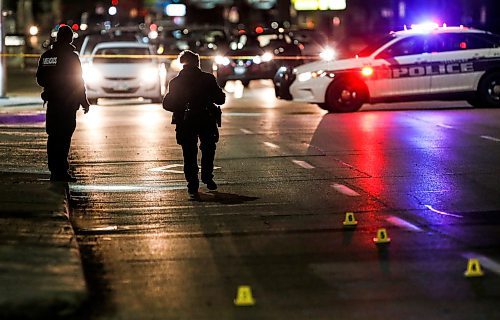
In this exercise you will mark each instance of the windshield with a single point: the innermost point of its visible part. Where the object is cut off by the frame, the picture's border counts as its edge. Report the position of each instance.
(122, 55)
(368, 50)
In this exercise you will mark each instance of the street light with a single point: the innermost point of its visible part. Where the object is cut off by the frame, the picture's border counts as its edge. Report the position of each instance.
(112, 10)
(33, 30)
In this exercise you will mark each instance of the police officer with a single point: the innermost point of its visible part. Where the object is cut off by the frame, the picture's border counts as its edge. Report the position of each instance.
(193, 98)
(60, 74)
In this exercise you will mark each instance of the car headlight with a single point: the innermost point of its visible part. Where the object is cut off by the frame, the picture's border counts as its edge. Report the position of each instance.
(90, 74)
(304, 76)
(328, 54)
(267, 56)
(222, 60)
(149, 75)
(314, 74)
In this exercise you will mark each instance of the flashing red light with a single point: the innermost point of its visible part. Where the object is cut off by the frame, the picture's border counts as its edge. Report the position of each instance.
(463, 45)
(75, 27)
(62, 25)
(259, 29)
(153, 27)
(241, 31)
(114, 2)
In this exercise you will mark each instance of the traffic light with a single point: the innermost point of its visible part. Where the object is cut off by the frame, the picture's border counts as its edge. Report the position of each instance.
(114, 2)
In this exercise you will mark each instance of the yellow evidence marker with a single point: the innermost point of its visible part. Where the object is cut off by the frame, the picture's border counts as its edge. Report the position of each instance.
(473, 268)
(349, 219)
(244, 297)
(381, 236)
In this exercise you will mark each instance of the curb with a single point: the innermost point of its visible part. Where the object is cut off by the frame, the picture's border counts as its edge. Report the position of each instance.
(42, 275)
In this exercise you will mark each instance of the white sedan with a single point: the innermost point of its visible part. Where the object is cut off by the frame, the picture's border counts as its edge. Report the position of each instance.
(123, 70)
(425, 63)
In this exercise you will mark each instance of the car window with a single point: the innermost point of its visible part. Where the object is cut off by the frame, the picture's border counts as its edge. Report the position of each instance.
(377, 43)
(122, 55)
(462, 41)
(493, 39)
(410, 46)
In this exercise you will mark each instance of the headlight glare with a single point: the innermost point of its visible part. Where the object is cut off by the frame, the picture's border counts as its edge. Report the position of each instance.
(222, 60)
(257, 59)
(267, 56)
(90, 74)
(149, 75)
(304, 76)
(328, 54)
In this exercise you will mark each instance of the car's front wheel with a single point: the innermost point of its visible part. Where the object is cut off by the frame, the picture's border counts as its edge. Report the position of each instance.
(345, 95)
(488, 92)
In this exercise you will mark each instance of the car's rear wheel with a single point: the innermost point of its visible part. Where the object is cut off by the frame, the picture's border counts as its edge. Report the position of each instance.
(345, 95)
(488, 92)
(245, 83)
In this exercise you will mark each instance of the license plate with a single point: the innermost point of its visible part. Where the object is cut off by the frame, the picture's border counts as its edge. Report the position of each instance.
(121, 87)
(240, 70)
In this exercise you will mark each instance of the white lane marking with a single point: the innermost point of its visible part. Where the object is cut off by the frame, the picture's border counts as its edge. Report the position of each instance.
(303, 164)
(491, 138)
(170, 168)
(246, 131)
(442, 212)
(126, 188)
(345, 190)
(271, 145)
(442, 125)
(110, 228)
(403, 224)
(485, 262)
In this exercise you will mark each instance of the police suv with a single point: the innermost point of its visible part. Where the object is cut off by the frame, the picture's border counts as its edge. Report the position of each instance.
(422, 63)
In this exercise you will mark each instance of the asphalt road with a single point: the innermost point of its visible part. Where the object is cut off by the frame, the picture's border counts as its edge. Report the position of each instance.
(287, 174)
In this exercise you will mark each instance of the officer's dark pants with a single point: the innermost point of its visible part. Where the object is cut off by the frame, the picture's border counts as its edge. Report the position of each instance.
(187, 136)
(60, 125)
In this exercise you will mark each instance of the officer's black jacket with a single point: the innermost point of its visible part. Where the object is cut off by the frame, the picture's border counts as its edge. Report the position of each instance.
(193, 86)
(60, 74)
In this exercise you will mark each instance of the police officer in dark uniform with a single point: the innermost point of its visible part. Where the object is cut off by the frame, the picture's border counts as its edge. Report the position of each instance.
(194, 98)
(60, 74)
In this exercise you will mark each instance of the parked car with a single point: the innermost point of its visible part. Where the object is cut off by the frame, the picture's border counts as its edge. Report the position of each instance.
(204, 40)
(123, 70)
(254, 57)
(314, 44)
(423, 63)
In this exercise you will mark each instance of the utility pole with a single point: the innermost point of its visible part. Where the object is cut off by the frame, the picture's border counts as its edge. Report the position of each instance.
(3, 60)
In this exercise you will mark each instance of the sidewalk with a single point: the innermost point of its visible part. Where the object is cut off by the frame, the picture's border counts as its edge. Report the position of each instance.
(41, 276)
(22, 91)
(16, 104)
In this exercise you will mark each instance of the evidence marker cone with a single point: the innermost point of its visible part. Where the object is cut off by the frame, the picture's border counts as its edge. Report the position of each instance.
(244, 297)
(349, 219)
(381, 236)
(473, 268)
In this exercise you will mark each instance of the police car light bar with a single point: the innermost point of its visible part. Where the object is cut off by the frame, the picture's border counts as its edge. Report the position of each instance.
(426, 26)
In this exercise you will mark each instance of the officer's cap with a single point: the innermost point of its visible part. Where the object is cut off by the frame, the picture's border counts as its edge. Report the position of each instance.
(65, 34)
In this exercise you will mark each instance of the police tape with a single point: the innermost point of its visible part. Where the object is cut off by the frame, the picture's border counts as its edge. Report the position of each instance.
(159, 56)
